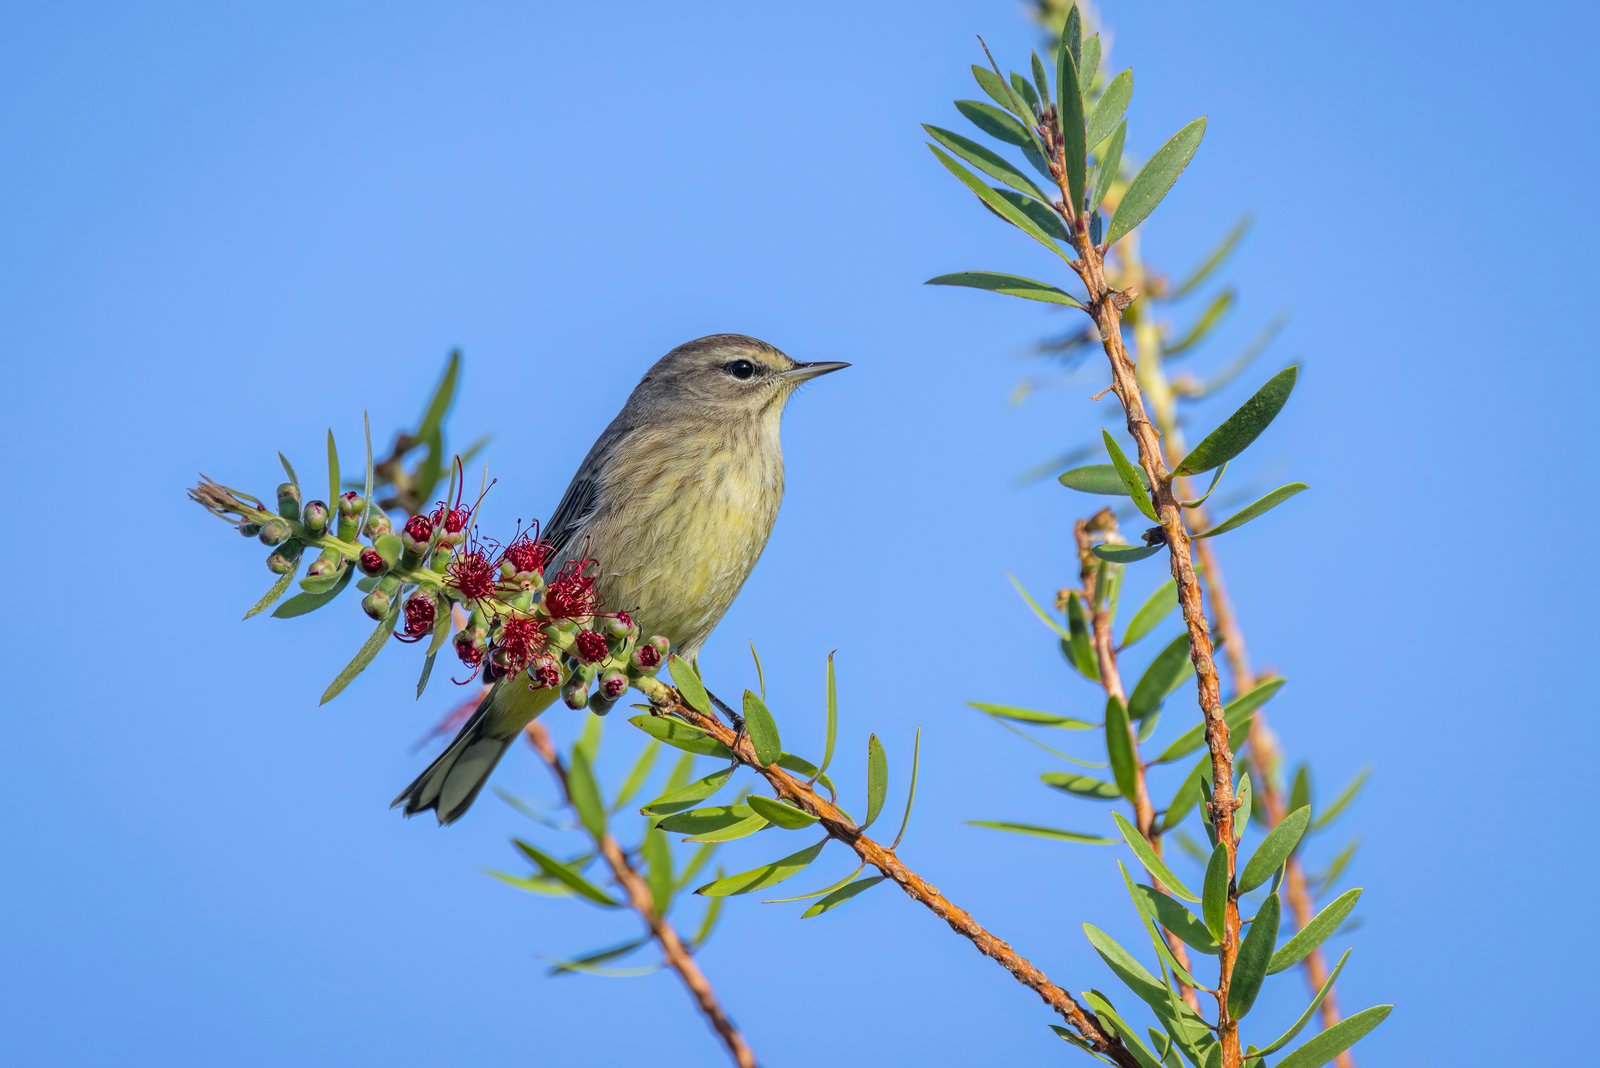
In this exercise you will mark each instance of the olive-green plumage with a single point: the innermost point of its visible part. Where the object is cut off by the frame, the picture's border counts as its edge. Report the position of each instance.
(675, 501)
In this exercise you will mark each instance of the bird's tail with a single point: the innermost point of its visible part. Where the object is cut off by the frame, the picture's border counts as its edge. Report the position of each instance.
(452, 783)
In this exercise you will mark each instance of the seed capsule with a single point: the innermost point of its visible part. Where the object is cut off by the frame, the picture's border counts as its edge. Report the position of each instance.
(315, 516)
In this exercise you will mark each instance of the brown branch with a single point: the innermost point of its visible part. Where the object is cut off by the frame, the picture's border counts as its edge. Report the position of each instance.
(667, 701)
(641, 901)
(1090, 572)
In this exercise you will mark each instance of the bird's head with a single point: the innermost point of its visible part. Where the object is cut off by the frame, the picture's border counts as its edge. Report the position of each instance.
(726, 376)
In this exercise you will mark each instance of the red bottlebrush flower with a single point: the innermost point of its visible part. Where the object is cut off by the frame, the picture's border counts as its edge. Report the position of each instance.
(453, 520)
(592, 647)
(419, 529)
(472, 574)
(520, 641)
(372, 562)
(420, 614)
(469, 651)
(648, 656)
(528, 554)
(571, 595)
(544, 672)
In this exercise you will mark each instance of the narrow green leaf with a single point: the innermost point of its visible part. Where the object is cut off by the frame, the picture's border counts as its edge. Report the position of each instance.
(706, 819)
(533, 884)
(1109, 167)
(1340, 803)
(1001, 206)
(1081, 785)
(1214, 903)
(1125, 554)
(764, 876)
(1322, 925)
(1000, 93)
(1168, 962)
(751, 824)
(1265, 504)
(364, 655)
(1088, 65)
(911, 792)
(762, 729)
(1072, 34)
(1147, 856)
(687, 797)
(269, 598)
(687, 680)
(1179, 920)
(1038, 610)
(1156, 608)
(589, 963)
(1042, 832)
(824, 892)
(832, 732)
(1069, 115)
(1250, 969)
(680, 735)
(657, 854)
(1024, 89)
(780, 813)
(585, 792)
(697, 861)
(998, 124)
(638, 774)
(1128, 473)
(1109, 109)
(1119, 747)
(1079, 646)
(1215, 478)
(1100, 478)
(1188, 794)
(1119, 1027)
(1305, 1017)
(1150, 185)
(1213, 314)
(567, 875)
(1245, 795)
(989, 163)
(1337, 865)
(439, 403)
(288, 469)
(1236, 714)
(801, 766)
(1274, 850)
(1242, 427)
(877, 779)
(301, 603)
(366, 490)
(1034, 716)
(841, 895)
(1300, 789)
(1151, 990)
(1165, 674)
(333, 473)
(1209, 265)
(1336, 1039)
(1041, 79)
(1010, 285)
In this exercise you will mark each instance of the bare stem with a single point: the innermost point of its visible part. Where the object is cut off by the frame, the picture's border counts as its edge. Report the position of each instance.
(667, 701)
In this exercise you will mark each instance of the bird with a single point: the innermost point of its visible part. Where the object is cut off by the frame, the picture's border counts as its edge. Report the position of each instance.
(675, 501)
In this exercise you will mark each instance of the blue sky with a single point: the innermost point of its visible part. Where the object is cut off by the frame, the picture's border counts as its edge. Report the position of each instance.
(228, 229)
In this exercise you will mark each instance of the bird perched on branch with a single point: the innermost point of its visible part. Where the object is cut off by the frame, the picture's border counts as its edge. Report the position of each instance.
(675, 501)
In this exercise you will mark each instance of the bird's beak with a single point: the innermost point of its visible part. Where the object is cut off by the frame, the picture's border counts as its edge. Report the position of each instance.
(804, 372)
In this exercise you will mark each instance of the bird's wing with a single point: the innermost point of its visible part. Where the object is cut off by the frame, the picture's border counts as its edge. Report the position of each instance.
(576, 506)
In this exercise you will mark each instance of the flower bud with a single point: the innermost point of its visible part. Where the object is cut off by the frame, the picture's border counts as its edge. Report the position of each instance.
(315, 516)
(376, 604)
(621, 626)
(544, 672)
(289, 500)
(600, 704)
(416, 534)
(646, 660)
(322, 565)
(372, 562)
(249, 529)
(613, 684)
(273, 531)
(283, 559)
(350, 504)
(576, 692)
(591, 647)
(378, 524)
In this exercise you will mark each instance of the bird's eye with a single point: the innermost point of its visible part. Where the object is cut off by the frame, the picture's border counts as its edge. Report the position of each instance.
(740, 368)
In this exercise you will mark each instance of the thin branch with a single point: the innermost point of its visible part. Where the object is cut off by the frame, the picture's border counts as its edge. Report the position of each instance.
(667, 701)
(1091, 570)
(633, 885)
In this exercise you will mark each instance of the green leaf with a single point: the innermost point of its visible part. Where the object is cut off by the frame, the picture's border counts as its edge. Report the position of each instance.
(1109, 109)
(1274, 850)
(1079, 647)
(333, 474)
(1041, 79)
(1072, 34)
(301, 603)
(1322, 925)
(638, 774)
(1338, 864)
(1042, 832)
(1010, 285)
(271, 596)
(1265, 504)
(1214, 313)
(1119, 747)
(1236, 714)
(751, 824)
(585, 792)
(1150, 185)
(1340, 803)
(1024, 89)
(364, 655)
(1088, 65)
(569, 876)
(1300, 789)
(1188, 795)
(841, 895)
(1147, 856)
(1030, 715)
(1156, 608)
(1038, 610)
(1169, 962)
(288, 469)
(1245, 795)
(366, 490)
(1242, 427)
(1125, 554)
(762, 729)
(764, 876)
(1069, 115)
(1336, 1039)
(877, 779)
(439, 403)
(1179, 920)
(589, 963)
(1165, 674)
(801, 766)
(1081, 785)
(1001, 206)
(680, 735)
(1214, 901)
(687, 680)
(1215, 478)
(687, 797)
(1119, 1027)
(1128, 473)
(1213, 261)
(832, 733)
(824, 892)
(533, 884)
(1109, 167)
(999, 92)
(911, 792)
(989, 163)
(706, 819)
(1305, 1017)
(1250, 969)
(780, 813)
(657, 854)
(1100, 478)
(998, 124)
